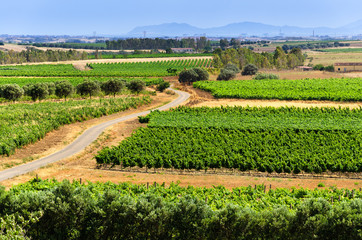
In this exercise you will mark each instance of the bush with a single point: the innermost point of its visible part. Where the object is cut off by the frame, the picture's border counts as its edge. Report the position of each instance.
(329, 68)
(88, 87)
(36, 91)
(249, 69)
(136, 85)
(188, 76)
(51, 88)
(202, 74)
(162, 86)
(112, 86)
(226, 74)
(319, 67)
(232, 67)
(11, 92)
(63, 89)
(261, 76)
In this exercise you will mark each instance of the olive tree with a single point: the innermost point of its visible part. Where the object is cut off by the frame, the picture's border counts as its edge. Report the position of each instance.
(63, 89)
(112, 86)
(88, 87)
(11, 92)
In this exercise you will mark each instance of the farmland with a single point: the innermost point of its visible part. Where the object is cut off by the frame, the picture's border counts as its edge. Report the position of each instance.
(125, 69)
(22, 81)
(22, 124)
(335, 89)
(267, 140)
(96, 210)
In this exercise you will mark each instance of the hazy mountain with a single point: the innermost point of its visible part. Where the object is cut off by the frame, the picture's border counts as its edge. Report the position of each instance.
(241, 29)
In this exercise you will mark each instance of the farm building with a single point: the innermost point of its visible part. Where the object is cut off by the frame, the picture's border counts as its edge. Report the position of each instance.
(182, 50)
(348, 67)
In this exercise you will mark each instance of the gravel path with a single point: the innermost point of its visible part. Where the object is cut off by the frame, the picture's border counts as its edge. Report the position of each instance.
(81, 142)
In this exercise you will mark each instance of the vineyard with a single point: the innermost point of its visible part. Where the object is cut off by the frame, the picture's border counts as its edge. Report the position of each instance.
(336, 89)
(136, 69)
(21, 124)
(263, 139)
(64, 210)
(22, 81)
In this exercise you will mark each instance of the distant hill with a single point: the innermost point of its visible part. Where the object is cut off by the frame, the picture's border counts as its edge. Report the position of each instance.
(240, 29)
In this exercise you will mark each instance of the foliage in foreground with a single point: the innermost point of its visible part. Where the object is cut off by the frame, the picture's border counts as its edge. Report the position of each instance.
(126, 211)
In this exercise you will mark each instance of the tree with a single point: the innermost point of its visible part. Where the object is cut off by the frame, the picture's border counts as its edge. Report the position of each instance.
(169, 51)
(188, 76)
(112, 86)
(232, 67)
(249, 69)
(226, 74)
(224, 43)
(63, 89)
(202, 74)
(162, 86)
(11, 92)
(88, 87)
(37, 91)
(136, 85)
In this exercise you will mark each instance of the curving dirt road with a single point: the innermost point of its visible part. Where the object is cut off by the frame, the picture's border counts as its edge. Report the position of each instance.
(82, 141)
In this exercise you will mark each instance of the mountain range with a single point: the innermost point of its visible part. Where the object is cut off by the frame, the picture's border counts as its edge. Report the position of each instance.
(242, 29)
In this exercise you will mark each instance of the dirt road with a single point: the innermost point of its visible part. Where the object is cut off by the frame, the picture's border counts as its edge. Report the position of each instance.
(82, 141)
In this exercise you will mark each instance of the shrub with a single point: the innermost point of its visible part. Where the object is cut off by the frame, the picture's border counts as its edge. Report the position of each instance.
(11, 92)
(202, 74)
(88, 87)
(63, 89)
(261, 76)
(136, 85)
(226, 74)
(232, 67)
(162, 86)
(36, 91)
(188, 76)
(329, 68)
(249, 69)
(112, 86)
(319, 67)
(51, 88)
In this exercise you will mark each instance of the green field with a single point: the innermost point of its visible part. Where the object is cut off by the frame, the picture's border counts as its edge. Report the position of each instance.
(264, 139)
(21, 124)
(341, 50)
(22, 81)
(137, 69)
(335, 89)
(125, 211)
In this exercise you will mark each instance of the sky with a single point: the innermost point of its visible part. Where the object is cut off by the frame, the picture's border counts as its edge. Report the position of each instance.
(112, 17)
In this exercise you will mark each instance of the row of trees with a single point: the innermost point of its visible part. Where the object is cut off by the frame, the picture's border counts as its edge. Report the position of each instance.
(243, 56)
(315, 45)
(36, 55)
(201, 43)
(64, 89)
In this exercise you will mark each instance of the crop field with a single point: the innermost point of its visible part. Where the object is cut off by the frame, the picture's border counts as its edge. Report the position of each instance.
(265, 139)
(22, 81)
(127, 69)
(335, 89)
(21, 124)
(126, 211)
(341, 50)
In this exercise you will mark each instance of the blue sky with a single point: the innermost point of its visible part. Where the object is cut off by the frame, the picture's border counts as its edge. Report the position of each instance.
(79, 17)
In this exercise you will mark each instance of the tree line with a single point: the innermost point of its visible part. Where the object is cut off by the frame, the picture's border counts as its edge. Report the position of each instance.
(36, 55)
(201, 43)
(64, 89)
(244, 56)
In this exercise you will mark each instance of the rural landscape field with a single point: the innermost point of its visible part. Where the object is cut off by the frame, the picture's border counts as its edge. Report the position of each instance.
(210, 135)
